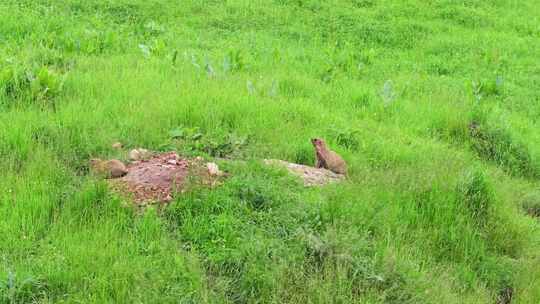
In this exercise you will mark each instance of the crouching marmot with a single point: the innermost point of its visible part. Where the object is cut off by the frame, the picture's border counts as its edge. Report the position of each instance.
(108, 168)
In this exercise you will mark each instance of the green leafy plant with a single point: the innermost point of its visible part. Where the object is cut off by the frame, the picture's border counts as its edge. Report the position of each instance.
(488, 87)
(234, 61)
(194, 141)
(15, 290)
(152, 28)
(388, 93)
(346, 137)
(46, 83)
(41, 84)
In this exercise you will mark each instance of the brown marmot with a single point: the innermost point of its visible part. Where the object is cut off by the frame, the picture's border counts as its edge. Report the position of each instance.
(327, 158)
(108, 168)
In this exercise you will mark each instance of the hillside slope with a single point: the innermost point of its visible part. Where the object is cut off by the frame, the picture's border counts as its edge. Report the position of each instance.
(434, 105)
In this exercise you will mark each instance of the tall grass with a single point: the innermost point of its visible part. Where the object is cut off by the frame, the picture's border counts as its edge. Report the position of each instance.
(433, 104)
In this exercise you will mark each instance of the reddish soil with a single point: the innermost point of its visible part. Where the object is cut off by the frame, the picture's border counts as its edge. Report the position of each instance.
(154, 180)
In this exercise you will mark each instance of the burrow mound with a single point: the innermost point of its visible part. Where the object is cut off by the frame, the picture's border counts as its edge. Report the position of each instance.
(159, 178)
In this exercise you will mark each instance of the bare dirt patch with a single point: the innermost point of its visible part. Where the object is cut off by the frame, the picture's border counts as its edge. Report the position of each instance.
(154, 180)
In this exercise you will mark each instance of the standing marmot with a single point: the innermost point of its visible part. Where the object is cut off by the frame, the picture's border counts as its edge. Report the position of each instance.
(327, 158)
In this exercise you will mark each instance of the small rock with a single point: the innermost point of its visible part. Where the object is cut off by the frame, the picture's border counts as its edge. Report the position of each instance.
(139, 154)
(134, 155)
(145, 153)
(117, 145)
(213, 169)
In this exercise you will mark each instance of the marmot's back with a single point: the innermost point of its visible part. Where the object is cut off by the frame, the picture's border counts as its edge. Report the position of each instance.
(335, 163)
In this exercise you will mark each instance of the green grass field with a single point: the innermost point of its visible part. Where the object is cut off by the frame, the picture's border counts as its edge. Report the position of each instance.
(434, 104)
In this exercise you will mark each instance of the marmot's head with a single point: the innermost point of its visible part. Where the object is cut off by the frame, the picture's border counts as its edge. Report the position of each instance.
(318, 143)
